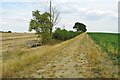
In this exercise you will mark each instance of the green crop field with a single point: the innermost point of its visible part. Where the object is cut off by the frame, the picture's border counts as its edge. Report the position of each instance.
(109, 43)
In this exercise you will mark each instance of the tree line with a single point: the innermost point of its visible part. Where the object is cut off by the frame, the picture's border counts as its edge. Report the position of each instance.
(5, 31)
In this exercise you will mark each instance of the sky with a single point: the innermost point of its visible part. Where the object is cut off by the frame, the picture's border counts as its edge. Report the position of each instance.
(97, 15)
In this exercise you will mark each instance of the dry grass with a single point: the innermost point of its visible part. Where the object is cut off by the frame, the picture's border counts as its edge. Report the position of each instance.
(5, 35)
(71, 56)
(12, 66)
(15, 63)
(14, 53)
(14, 40)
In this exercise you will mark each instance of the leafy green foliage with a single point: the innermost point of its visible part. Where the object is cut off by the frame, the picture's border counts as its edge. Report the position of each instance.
(63, 34)
(41, 24)
(109, 43)
(80, 27)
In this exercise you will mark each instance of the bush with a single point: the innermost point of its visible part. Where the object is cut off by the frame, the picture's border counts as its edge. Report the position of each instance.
(64, 34)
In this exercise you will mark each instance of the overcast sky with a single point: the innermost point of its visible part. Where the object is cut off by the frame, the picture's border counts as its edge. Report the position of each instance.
(97, 15)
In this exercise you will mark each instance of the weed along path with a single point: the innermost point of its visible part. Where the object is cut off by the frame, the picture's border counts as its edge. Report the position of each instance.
(75, 58)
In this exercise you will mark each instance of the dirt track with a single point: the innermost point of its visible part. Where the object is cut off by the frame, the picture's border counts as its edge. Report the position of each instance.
(76, 58)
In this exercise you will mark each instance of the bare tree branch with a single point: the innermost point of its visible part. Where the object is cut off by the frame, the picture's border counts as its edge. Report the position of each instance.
(54, 16)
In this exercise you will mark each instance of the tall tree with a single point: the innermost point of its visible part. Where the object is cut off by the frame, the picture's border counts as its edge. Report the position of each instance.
(41, 24)
(54, 16)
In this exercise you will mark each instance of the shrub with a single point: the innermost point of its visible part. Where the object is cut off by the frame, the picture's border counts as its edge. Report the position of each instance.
(63, 34)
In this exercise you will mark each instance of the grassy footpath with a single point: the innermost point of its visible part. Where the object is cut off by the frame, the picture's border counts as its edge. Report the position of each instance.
(108, 43)
(16, 56)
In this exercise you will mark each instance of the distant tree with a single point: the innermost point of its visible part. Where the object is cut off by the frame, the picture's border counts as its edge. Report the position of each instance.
(80, 27)
(41, 24)
(9, 31)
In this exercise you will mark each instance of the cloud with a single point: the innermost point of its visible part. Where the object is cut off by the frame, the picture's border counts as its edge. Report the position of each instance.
(98, 15)
(15, 24)
(95, 14)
